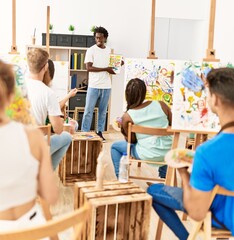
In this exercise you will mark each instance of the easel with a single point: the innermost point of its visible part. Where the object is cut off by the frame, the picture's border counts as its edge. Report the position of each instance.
(152, 54)
(48, 30)
(200, 137)
(210, 52)
(13, 46)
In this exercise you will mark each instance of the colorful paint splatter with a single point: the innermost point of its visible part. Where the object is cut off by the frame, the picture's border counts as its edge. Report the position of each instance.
(158, 76)
(190, 108)
(19, 109)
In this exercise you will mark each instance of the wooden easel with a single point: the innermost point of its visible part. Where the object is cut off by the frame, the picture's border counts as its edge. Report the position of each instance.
(48, 30)
(200, 137)
(152, 54)
(210, 52)
(13, 46)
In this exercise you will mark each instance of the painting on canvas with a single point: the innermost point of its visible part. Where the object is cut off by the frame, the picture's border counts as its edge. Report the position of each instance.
(158, 76)
(190, 108)
(19, 109)
(115, 62)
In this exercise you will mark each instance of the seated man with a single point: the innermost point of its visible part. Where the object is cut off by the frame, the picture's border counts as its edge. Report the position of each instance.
(47, 80)
(44, 102)
(213, 164)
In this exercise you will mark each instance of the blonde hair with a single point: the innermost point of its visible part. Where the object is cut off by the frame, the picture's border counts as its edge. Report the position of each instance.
(7, 82)
(37, 58)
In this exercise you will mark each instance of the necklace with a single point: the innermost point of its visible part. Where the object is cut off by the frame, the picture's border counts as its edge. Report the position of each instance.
(227, 125)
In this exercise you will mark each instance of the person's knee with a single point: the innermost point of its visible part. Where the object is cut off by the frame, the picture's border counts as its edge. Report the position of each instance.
(113, 146)
(154, 188)
(67, 138)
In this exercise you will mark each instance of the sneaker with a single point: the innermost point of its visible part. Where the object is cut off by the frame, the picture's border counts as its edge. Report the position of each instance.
(101, 136)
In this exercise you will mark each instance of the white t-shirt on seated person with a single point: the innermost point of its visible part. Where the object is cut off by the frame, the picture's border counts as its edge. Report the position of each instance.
(43, 101)
(100, 58)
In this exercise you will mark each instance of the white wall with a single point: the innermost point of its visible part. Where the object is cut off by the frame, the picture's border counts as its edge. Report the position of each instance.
(128, 23)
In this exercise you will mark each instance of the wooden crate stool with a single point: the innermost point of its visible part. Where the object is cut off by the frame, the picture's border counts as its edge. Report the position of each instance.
(78, 114)
(80, 161)
(119, 210)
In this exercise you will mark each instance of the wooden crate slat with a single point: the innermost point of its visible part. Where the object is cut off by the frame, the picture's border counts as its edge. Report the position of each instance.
(120, 199)
(81, 159)
(118, 212)
(112, 194)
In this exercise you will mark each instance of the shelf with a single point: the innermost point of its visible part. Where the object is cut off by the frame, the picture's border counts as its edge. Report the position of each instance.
(77, 76)
(78, 70)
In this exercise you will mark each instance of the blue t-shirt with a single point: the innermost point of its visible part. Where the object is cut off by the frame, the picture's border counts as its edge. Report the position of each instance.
(214, 164)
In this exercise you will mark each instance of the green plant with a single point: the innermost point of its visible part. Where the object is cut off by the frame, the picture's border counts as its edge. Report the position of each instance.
(93, 28)
(51, 26)
(71, 28)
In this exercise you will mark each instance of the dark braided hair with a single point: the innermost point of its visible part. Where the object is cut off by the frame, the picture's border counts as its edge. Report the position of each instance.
(135, 93)
(100, 30)
(221, 82)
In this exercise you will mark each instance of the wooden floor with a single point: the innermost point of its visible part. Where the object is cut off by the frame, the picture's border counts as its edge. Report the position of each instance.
(65, 202)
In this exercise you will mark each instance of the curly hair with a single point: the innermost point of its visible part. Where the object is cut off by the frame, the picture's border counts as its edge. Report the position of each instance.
(101, 30)
(221, 82)
(135, 93)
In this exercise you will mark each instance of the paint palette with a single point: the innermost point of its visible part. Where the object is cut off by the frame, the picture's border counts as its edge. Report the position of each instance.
(116, 124)
(179, 158)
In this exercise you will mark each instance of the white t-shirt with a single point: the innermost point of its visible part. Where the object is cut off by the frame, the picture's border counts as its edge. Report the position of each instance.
(18, 167)
(43, 101)
(100, 58)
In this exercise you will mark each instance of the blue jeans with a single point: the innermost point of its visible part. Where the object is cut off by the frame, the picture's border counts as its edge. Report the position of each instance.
(94, 95)
(58, 147)
(117, 150)
(166, 200)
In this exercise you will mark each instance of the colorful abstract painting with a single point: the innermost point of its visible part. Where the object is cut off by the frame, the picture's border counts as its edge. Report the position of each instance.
(158, 76)
(190, 109)
(115, 62)
(19, 109)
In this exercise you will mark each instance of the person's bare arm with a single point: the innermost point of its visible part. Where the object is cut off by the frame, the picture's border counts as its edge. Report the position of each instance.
(196, 202)
(47, 188)
(72, 93)
(167, 111)
(124, 128)
(91, 68)
(57, 123)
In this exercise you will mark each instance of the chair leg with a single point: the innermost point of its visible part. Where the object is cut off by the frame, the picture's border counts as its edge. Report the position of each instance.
(159, 230)
(170, 176)
(207, 226)
(195, 230)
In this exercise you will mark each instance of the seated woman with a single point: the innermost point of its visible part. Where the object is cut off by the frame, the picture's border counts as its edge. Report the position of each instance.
(145, 113)
(48, 77)
(25, 166)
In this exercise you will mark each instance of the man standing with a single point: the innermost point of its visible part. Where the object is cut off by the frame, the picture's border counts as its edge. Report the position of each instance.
(213, 165)
(99, 88)
(44, 103)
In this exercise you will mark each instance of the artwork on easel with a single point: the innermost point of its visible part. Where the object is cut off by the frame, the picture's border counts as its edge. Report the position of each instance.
(158, 76)
(190, 109)
(19, 109)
